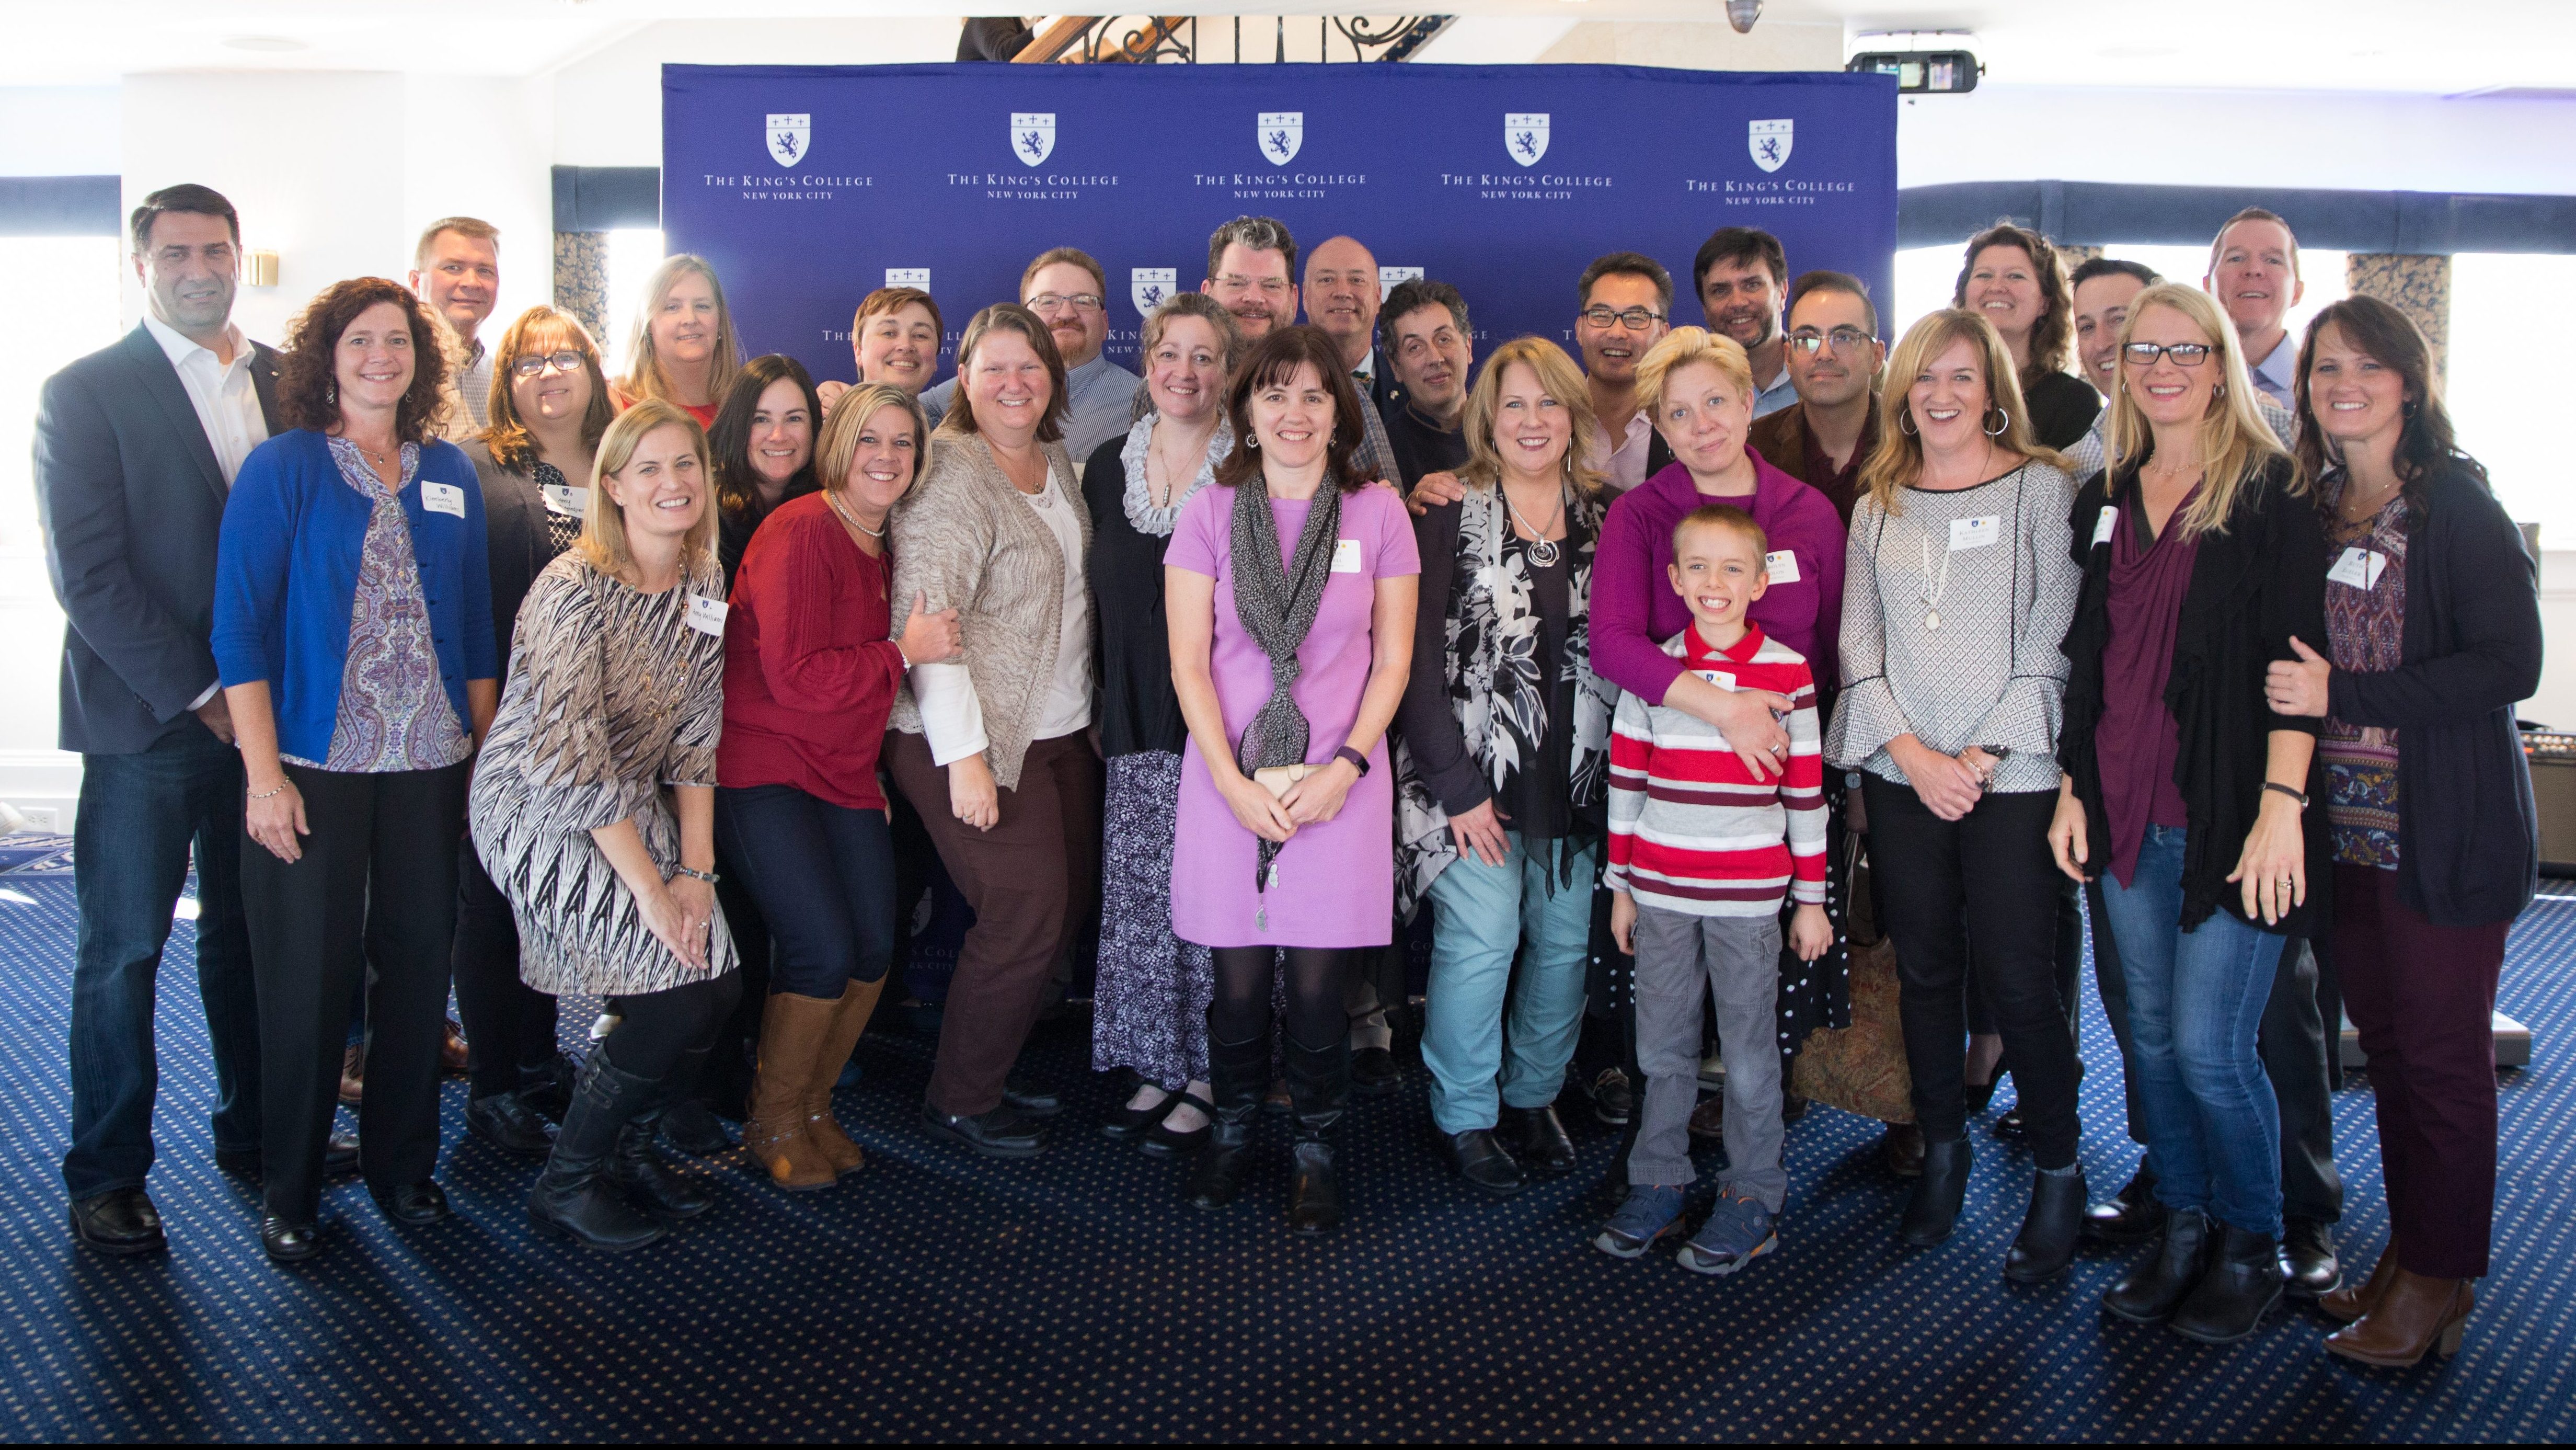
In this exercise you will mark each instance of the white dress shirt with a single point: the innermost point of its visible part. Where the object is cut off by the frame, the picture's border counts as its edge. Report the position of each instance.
(227, 403)
(1626, 463)
(2274, 375)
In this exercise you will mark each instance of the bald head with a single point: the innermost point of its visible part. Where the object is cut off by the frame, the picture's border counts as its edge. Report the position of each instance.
(1342, 296)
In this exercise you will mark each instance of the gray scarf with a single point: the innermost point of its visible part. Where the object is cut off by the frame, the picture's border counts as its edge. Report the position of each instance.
(1277, 606)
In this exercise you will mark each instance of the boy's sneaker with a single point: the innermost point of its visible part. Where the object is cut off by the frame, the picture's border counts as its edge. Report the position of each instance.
(1652, 1211)
(1738, 1231)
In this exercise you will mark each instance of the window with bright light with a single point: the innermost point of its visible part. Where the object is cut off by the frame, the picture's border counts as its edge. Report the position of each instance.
(2506, 409)
(633, 253)
(1925, 276)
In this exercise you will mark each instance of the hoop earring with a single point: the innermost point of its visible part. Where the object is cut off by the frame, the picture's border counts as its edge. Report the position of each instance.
(2222, 390)
(2004, 423)
(1252, 441)
(1905, 421)
(2408, 408)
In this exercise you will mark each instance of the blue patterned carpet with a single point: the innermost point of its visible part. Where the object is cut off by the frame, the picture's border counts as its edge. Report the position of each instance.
(940, 1297)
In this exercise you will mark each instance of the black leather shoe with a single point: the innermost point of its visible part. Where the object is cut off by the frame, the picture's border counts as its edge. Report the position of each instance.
(2049, 1231)
(2242, 1285)
(2151, 1292)
(1029, 1101)
(1165, 1141)
(2133, 1216)
(634, 1169)
(1476, 1156)
(2309, 1267)
(288, 1243)
(2011, 1125)
(1538, 1139)
(549, 1091)
(120, 1221)
(1613, 1100)
(340, 1155)
(1374, 1073)
(1125, 1124)
(1314, 1193)
(1001, 1133)
(690, 1128)
(1319, 1085)
(1237, 1074)
(416, 1204)
(506, 1122)
(1934, 1209)
(572, 1197)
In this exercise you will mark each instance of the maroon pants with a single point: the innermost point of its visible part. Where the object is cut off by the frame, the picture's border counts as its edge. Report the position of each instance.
(2423, 999)
(1031, 879)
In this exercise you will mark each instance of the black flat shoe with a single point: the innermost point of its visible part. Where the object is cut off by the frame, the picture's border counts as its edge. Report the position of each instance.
(1538, 1139)
(2133, 1216)
(119, 1222)
(1488, 1167)
(1374, 1073)
(288, 1243)
(2012, 1126)
(1165, 1141)
(1934, 1209)
(505, 1121)
(549, 1091)
(1125, 1124)
(2309, 1268)
(340, 1155)
(2048, 1233)
(635, 1170)
(415, 1204)
(1614, 1101)
(1001, 1133)
(690, 1128)
(1031, 1102)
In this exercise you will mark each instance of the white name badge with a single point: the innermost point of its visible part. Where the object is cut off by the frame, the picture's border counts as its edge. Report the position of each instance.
(1346, 556)
(1781, 565)
(443, 498)
(1975, 533)
(2105, 523)
(2359, 568)
(707, 616)
(1723, 679)
(565, 498)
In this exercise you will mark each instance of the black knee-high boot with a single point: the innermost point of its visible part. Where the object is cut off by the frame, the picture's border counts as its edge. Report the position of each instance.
(1319, 1090)
(639, 1172)
(1238, 1075)
(572, 1196)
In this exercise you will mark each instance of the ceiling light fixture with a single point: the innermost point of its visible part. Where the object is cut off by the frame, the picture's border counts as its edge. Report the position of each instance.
(1742, 13)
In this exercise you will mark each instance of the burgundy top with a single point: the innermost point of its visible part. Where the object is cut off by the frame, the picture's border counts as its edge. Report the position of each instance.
(810, 673)
(2137, 739)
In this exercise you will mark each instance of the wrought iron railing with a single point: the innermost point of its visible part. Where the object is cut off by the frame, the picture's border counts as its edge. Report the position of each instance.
(1186, 39)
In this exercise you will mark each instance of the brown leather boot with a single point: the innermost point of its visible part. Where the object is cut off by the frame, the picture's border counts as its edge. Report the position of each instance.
(858, 1001)
(2352, 1301)
(2415, 1316)
(792, 1029)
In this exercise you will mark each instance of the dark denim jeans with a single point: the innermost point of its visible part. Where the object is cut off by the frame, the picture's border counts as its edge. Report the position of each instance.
(2196, 999)
(139, 816)
(823, 876)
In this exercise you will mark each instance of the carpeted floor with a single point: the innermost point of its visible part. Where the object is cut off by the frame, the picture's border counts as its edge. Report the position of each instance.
(937, 1296)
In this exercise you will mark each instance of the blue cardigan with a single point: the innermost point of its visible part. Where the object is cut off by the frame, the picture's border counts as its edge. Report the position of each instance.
(286, 580)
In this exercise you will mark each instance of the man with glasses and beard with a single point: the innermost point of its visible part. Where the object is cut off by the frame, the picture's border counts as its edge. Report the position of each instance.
(1739, 274)
(1834, 355)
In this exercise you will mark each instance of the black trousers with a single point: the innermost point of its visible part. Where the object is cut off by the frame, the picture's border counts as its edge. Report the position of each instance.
(823, 878)
(509, 1025)
(1977, 894)
(372, 904)
(656, 1029)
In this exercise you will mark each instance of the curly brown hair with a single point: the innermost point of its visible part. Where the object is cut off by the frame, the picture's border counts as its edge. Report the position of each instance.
(2052, 337)
(308, 390)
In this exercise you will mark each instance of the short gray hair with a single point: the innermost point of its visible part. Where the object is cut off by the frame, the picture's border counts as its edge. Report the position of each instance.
(1253, 234)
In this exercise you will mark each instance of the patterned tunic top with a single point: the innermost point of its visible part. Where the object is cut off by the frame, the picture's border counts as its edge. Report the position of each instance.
(2366, 623)
(394, 712)
(614, 696)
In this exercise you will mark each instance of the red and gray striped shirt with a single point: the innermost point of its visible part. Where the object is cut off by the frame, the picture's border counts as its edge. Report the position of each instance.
(1692, 829)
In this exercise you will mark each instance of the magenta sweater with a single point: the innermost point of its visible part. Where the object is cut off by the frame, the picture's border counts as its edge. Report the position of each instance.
(1634, 608)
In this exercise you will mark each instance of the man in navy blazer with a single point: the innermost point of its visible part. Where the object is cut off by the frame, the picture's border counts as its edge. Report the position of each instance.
(136, 448)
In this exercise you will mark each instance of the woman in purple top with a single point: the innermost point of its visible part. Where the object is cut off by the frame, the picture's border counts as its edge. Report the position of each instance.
(1290, 593)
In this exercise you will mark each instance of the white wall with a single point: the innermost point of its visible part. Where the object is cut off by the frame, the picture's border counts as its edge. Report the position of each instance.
(59, 130)
(608, 104)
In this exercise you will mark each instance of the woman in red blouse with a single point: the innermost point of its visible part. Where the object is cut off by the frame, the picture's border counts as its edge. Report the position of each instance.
(812, 663)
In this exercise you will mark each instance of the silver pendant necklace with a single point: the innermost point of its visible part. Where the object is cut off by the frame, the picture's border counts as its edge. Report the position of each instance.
(1932, 599)
(1542, 549)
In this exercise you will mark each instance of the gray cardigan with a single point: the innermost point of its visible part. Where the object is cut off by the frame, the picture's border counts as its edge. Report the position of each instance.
(966, 537)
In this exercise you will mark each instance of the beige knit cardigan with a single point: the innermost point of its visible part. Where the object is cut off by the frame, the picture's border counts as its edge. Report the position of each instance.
(964, 536)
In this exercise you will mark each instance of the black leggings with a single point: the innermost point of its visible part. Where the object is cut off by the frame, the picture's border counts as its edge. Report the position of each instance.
(1240, 1009)
(655, 1029)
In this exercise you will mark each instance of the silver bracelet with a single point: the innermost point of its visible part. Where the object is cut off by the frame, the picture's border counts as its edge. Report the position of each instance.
(265, 794)
(708, 877)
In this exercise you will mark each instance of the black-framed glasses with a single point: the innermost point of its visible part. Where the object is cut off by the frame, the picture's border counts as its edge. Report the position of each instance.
(531, 364)
(1635, 319)
(1843, 339)
(2184, 354)
(1050, 301)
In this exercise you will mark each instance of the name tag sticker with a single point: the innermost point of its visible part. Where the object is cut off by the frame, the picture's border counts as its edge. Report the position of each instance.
(443, 498)
(1781, 565)
(1723, 679)
(2108, 520)
(564, 498)
(707, 616)
(1346, 556)
(2359, 568)
(1975, 533)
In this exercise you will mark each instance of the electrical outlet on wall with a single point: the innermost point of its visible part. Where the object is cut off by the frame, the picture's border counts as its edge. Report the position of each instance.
(47, 819)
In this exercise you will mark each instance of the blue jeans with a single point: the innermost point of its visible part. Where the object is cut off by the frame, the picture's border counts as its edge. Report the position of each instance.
(2196, 999)
(823, 876)
(1482, 916)
(139, 815)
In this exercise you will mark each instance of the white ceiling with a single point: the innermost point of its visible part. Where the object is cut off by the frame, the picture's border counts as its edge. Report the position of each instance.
(2368, 45)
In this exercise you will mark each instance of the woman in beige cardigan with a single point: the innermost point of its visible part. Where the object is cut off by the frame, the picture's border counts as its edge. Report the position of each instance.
(993, 749)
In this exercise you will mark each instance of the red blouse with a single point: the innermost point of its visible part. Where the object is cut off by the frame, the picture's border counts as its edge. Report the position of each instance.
(810, 672)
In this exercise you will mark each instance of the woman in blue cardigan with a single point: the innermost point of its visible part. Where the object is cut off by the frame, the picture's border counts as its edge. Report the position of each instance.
(353, 630)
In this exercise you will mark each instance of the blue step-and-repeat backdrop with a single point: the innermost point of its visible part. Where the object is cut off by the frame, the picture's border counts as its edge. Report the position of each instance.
(809, 186)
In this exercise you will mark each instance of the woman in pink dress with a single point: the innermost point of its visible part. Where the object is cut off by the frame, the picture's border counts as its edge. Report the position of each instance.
(1290, 591)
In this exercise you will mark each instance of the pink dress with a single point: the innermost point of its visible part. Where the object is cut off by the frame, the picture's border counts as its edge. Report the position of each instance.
(1336, 882)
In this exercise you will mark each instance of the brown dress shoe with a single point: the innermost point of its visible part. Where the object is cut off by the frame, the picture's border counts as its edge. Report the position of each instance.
(2352, 1301)
(451, 1048)
(849, 1018)
(353, 1073)
(792, 1029)
(1903, 1149)
(1708, 1120)
(2415, 1316)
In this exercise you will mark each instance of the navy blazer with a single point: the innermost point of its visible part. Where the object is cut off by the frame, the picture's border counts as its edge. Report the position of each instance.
(131, 501)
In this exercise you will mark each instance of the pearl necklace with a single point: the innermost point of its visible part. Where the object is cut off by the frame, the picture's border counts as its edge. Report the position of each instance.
(833, 501)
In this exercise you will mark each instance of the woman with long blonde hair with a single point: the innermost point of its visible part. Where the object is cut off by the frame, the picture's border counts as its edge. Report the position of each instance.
(2188, 792)
(683, 348)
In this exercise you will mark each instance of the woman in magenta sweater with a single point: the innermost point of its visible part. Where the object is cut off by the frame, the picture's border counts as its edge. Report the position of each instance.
(812, 664)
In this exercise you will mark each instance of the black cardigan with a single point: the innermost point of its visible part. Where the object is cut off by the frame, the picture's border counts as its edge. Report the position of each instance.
(2252, 588)
(1131, 656)
(2468, 848)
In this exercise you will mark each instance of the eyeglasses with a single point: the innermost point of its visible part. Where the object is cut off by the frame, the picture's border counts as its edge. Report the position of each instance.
(2184, 354)
(1267, 286)
(1842, 339)
(1080, 301)
(1635, 319)
(534, 363)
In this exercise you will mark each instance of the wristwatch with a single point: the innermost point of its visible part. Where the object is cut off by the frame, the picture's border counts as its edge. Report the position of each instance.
(708, 877)
(1358, 761)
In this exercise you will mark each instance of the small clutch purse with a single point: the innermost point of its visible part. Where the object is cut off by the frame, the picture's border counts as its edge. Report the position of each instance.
(1277, 778)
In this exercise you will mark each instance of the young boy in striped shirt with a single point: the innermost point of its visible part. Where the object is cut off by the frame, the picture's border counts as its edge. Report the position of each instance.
(1702, 852)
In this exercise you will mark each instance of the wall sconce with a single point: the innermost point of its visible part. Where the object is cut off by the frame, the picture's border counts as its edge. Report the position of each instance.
(259, 269)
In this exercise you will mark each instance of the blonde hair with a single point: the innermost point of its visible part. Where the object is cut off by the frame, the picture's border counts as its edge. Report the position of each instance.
(603, 524)
(1561, 380)
(2236, 445)
(645, 375)
(1898, 459)
(838, 443)
(1680, 348)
